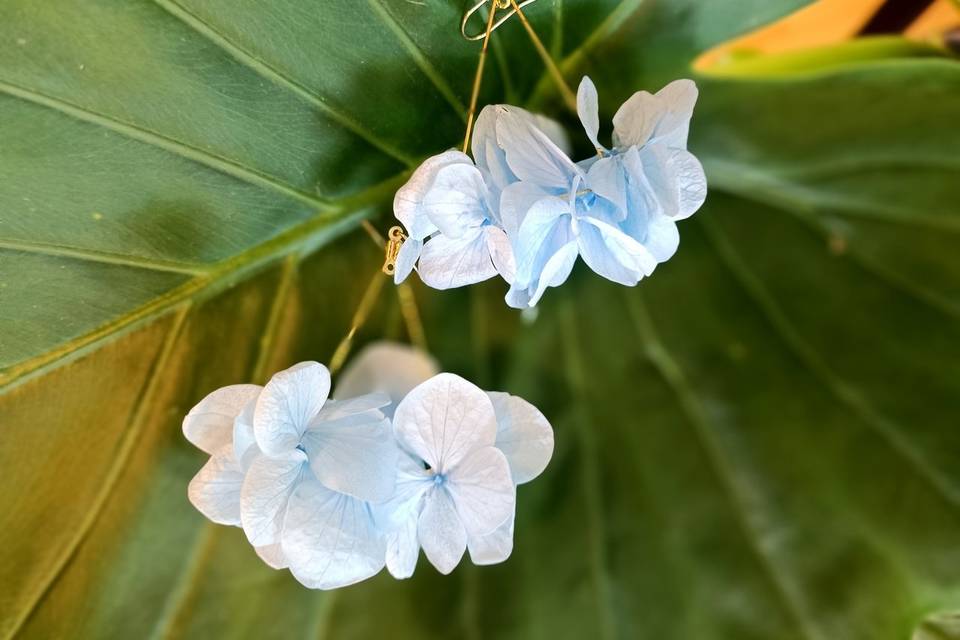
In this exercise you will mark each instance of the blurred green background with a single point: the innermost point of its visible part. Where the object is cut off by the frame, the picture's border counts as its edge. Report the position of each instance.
(758, 442)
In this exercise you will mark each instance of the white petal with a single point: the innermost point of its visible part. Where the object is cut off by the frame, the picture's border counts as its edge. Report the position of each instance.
(483, 490)
(494, 547)
(330, 539)
(265, 493)
(385, 367)
(407, 204)
(447, 263)
(440, 531)
(457, 201)
(588, 110)
(501, 253)
(413, 481)
(531, 154)
(488, 154)
(355, 455)
(352, 405)
(443, 420)
(407, 259)
(272, 554)
(554, 132)
(524, 435)
(245, 447)
(692, 183)
(215, 490)
(403, 547)
(663, 118)
(287, 404)
(209, 425)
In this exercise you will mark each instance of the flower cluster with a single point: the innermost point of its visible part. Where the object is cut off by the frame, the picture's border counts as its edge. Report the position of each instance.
(402, 458)
(521, 208)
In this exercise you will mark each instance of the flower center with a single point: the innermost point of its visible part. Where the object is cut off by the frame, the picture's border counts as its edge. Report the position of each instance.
(439, 479)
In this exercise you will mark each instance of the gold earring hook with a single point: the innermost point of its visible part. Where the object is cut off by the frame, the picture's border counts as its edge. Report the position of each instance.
(498, 4)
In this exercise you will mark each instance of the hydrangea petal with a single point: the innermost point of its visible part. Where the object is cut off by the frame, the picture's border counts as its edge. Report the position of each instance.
(589, 111)
(266, 490)
(662, 118)
(492, 548)
(386, 367)
(515, 201)
(287, 404)
(355, 455)
(329, 538)
(626, 250)
(457, 201)
(443, 420)
(272, 554)
(209, 425)
(440, 531)
(556, 271)
(215, 490)
(610, 262)
(245, 447)
(524, 435)
(413, 481)
(406, 259)
(352, 405)
(663, 238)
(501, 252)
(676, 177)
(482, 490)
(407, 203)
(403, 549)
(447, 263)
(608, 179)
(532, 156)
(543, 232)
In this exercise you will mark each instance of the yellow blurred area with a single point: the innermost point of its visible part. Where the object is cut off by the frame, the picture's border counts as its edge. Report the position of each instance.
(829, 22)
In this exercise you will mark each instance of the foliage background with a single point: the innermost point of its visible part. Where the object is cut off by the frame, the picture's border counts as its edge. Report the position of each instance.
(760, 441)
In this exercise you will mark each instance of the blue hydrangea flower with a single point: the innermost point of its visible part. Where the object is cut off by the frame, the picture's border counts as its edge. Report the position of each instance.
(617, 210)
(450, 209)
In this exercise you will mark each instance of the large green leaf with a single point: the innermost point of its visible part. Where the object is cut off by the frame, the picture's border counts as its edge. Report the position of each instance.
(758, 442)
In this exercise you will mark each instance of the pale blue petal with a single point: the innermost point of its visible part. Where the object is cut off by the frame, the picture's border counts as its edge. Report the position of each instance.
(515, 201)
(588, 110)
(483, 490)
(413, 481)
(443, 420)
(330, 539)
(387, 367)
(287, 404)
(677, 179)
(351, 405)
(215, 490)
(622, 248)
(403, 547)
(554, 131)
(663, 238)
(209, 425)
(611, 264)
(457, 201)
(447, 263)
(407, 204)
(407, 259)
(608, 179)
(266, 490)
(662, 118)
(491, 159)
(532, 156)
(354, 454)
(501, 252)
(545, 229)
(555, 272)
(440, 531)
(492, 548)
(524, 435)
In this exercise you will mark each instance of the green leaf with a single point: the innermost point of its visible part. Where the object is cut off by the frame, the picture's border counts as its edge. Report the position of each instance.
(757, 442)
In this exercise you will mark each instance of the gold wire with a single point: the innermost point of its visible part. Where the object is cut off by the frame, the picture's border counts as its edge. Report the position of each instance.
(478, 77)
(568, 96)
(359, 318)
